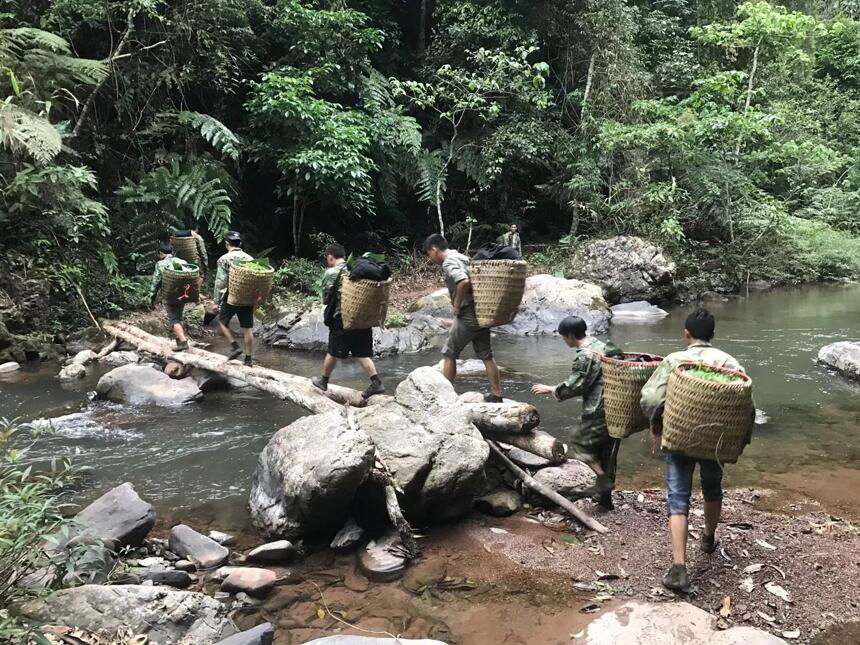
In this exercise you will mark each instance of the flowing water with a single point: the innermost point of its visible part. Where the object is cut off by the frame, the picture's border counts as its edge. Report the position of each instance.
(201, 457)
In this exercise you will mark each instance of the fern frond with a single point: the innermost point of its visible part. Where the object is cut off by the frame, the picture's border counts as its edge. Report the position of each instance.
(24, 131)
(430, 171)
(81, 70)
(19, 39)
(215, 133)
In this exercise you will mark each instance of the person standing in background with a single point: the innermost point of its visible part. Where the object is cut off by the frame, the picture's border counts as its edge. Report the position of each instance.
(513, 240)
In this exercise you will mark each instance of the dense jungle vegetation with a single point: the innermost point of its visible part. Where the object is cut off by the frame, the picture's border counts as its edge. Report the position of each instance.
(728, 132)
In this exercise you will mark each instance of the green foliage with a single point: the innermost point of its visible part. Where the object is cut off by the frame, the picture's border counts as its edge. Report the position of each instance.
(706, 373)
(396, 320)
(299, 274)
(218, 135)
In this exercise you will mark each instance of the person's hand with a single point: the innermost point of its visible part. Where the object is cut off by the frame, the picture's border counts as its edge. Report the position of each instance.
(540, 388)
(456, 311)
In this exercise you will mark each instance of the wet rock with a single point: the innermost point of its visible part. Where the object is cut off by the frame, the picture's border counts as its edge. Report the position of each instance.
(369, 640)
(143, 385)
(224, 539)
(425, 573)
(222, 572)
(121, 358)
(500, 503)
(348, 537)
(176, 370)
(203, 551)
(627, 269)
(356, 582)
(185, 565)
(83, 357)
(169, 577)
(526, 459)
(255, 582)
(213, 381)
(244, 599)
(640, 311)
(164, 615)
(72, 372)
(547, 300)
(467, 367)
(119, 518)
(307, 476)
(843, 356)
(8, 367)
(677, 623)
(259, 635)
(569, 480)
(381, 561)
(281, 551)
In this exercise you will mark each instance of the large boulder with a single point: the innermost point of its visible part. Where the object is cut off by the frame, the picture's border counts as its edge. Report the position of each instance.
(307, 475)
(164, 615)
(547, 300)
(145, 385)
(640, 311)
(627, 269)
(118, 518)
(843, 356)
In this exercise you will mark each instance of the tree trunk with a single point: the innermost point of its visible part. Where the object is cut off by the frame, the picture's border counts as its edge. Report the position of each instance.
(588, 82)
(289, 387)
(421, 41)
(536, 442)
(509, 417)
(749, 94)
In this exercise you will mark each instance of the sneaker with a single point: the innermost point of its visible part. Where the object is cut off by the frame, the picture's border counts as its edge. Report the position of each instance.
(320, 382)
(492, 398)
(605, 501)
(604, 486)
(235, 352)
(249, 362)
(677, 578)
(181, 345)
(709, 543)
(375, 387)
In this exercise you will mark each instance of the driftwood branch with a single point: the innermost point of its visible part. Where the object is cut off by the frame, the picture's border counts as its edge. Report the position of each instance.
(289, 387)
(583, 518)
(506, 417)
(536, 442)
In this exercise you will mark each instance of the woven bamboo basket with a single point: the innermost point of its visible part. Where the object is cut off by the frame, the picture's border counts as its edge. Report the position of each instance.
(622, 386)
(185, 248)
(246, 288)
(707, 419)
(497, 289)
(364, 303)
(180, 287)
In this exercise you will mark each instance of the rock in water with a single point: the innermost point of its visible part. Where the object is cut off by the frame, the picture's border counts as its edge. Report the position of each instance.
(119, 518)
(72, 372)
(307, 476)
(169, 577)
(164, 615)
(380, 560)
(570, 479)
(143, 385)
(500, 503)
(121, 358)
(11, 366)
(83, 357)
(627, 269)
(185, 565)
(189, 544)
(640, 311)
(348, 537)
(255, 582)
(281, 551)
(177, 370)
(259, 635)
(843, 356)
(224, 539)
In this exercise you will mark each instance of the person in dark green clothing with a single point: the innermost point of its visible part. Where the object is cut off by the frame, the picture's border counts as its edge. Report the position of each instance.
(174, 311)
(591, 442)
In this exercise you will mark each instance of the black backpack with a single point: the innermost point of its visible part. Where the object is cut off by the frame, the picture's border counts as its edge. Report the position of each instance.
(493, 251)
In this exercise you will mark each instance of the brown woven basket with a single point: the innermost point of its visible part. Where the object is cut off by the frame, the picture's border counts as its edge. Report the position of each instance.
(622, 386)
(497, 288)
(180, 287)
(706, 419)
(246, 288)
(185, 248)
(364, 303)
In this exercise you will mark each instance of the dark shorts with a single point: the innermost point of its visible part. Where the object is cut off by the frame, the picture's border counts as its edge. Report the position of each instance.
(244, 314)
(174, 312)
(343, 343)
(679, 481)
(466, 330)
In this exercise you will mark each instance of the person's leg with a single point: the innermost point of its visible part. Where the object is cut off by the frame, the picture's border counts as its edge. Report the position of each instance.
(248, 333)
(368, 367)
(361, 347)
(606, 469)
(179, 332)
(174, 318)
(329, 363)
(449, 368)
(335, 350)
(679, 483)
(482, 344)
(458, 338)
(711, 476)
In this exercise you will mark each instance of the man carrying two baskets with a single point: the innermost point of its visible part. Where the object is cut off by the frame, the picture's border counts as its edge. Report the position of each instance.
(698, 332)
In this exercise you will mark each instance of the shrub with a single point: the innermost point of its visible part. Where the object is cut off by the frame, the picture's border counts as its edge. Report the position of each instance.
(299, 274)
(396, 320)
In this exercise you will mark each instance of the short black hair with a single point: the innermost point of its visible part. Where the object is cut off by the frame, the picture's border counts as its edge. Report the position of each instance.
(233, 238)
(436, 240)
(166, 248)
(335, 250)
(701, 324)
(573, 326)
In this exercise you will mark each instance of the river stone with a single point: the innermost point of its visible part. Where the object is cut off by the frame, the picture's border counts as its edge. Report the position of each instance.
(548, 300)
(627, 269)
(380, 561)
(143, 385)
(307, 476)
(675, 623)
(72, 372)
(843, 356)
(9, 367)
(177, 370)
(348, 537)
(189, 544)
(259, 635)
(222, 572)
(570, 479)
(185, 565)
(280, 551)
(369, 640)
(255, 582)
(83, 357)
(224, 539)
(640, 311)
(164, 615)
(500, 503)
(119, 518)
(168, 577)
(121, 358)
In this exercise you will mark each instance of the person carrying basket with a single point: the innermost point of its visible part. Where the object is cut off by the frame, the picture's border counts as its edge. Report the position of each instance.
(173, 310)
(698, 333)
(226, 311)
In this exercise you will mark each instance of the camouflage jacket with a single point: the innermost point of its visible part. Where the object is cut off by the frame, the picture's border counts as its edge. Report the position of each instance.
(328, 282)
(223, 274)
(201, 252)
(586, 378)
(157, 274)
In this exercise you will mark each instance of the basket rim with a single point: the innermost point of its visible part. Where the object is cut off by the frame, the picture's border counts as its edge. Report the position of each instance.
(264, 272)
(473, 262)
(621, 361)
(682, 372)
(376, 282)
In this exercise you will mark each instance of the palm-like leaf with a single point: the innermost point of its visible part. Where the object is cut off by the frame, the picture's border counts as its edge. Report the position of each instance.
(24, 131)
(215, 133)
